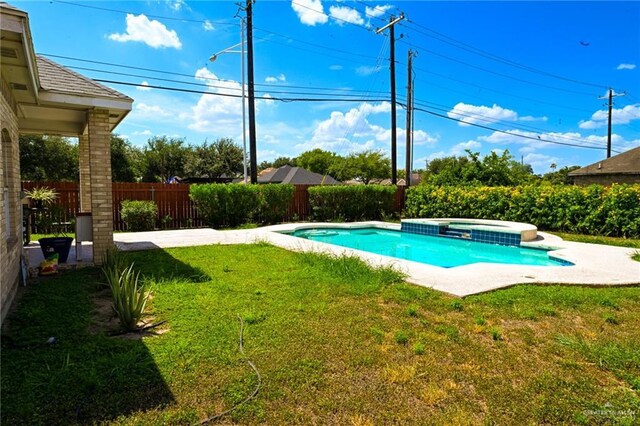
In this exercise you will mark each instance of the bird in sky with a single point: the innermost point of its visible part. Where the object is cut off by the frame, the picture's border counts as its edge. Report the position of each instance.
(584, 43)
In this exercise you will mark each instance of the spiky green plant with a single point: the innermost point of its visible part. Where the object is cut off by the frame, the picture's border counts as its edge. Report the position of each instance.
(129, 296)
(113, 264)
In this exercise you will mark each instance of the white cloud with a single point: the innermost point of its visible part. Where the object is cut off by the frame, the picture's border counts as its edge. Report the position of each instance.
(143, 133)
(626, 67)
(221, 114)
(271, 79)
(377, 11)
(344, 15)
(150, 111)
(152, 33)
(457, 150)
(366, 70)
(352, 131)
(471, 114)
(532, 118)
(176, 4)
(540, 161)
(618, 116)
(208, 26)
(144, 86)
(336, 67)
(310, 12)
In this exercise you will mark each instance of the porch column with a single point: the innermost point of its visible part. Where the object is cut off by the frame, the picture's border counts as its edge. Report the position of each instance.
(100, 182)
(85, 173)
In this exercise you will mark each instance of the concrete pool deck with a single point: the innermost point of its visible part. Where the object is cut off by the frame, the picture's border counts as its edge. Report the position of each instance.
(594, 264)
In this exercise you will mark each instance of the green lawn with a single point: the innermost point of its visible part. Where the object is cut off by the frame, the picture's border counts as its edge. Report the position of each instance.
(595, 239)
(335, 343)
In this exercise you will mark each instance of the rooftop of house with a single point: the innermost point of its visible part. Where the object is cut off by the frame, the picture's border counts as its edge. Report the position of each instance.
(57, 78)
(296, 175)
(627, 162)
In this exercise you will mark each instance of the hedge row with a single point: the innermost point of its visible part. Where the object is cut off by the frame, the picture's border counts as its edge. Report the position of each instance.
(224, 205)
(139, 215)
(594, 210)
(351, 203)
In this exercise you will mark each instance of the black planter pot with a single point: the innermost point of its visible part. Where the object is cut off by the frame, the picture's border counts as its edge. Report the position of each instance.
(60, 245)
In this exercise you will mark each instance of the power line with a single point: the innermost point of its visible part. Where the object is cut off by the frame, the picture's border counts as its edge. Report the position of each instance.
(537, 139)
(331, 16)
(473, 49)
(111, 64)
(170, 18)
(449, 58)
(266, 98)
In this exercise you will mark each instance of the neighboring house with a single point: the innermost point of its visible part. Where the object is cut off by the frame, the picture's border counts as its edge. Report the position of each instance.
(621, 168)
(296, 176)
(40, 96)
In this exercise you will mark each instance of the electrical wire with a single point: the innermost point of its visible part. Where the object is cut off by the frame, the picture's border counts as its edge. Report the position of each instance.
(169, 18)
(473, 49)
(504, 131)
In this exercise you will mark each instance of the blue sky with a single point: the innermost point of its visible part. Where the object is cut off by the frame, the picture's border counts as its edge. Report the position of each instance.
(533, 69)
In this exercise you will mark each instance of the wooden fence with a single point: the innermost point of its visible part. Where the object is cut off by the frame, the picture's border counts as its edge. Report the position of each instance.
(175, 208)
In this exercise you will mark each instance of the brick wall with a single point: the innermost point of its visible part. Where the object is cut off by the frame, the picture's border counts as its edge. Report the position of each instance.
(606, 179)
(11, 243)
(100, 182)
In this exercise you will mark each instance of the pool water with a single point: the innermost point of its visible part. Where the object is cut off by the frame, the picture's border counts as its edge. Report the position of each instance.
(439, 251)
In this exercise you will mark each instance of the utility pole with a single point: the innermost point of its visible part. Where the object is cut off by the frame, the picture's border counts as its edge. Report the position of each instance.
(253, 162)
(611, 95)
(408, 132)
(392, 58)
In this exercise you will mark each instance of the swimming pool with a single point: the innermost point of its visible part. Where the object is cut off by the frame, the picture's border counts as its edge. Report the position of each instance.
(434, 250)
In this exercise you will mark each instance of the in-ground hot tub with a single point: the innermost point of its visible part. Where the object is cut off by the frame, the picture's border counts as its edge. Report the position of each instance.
(481, 230)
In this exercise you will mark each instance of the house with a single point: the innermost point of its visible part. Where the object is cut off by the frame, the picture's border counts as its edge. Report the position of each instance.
(40, 96)
(296, 176)
(621, 168)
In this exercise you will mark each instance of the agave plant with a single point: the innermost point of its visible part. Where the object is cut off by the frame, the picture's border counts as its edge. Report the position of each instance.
(129, 296)
(113, 264)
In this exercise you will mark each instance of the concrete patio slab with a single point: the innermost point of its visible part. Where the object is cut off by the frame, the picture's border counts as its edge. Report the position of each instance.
(596, 265)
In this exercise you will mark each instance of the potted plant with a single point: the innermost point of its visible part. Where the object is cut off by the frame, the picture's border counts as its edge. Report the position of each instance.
(50, 219)
(41, 196)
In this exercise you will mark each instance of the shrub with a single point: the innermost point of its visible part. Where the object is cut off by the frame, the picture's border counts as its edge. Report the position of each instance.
(594, 210)
(273, 202)
(139, 215)
(351, 203)
(224, 204)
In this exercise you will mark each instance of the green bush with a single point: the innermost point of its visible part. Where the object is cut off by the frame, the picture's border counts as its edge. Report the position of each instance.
(351, 203)
(273, 202)
(594, 210)
(224, 204)
(234, 204)
(139, 215)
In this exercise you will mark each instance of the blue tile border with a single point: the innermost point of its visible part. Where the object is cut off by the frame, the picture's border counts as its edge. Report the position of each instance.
(481, 236)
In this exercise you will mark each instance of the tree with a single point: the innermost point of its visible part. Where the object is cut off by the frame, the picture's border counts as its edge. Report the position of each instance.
(52, 158)
(125, 160)
(163, 158)
(561, 176)
(214, 160)
(492, 170)
(284, 161)
(363, 166)
(317, 160)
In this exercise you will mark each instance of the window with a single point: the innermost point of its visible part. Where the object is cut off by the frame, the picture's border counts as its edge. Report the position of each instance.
(7, 183)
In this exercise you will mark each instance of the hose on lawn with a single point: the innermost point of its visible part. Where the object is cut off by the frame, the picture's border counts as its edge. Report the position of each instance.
(253, 367)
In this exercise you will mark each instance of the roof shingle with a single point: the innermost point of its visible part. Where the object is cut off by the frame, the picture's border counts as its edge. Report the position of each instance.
(57, 78)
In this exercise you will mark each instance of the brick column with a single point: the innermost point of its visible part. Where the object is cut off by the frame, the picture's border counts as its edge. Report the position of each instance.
(100, 182)
(85, 173)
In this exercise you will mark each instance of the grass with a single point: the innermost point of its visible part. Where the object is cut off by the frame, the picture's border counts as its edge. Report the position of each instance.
(335, 343)
(595, 239)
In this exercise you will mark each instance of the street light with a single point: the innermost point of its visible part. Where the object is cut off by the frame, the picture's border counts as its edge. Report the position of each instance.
(244, 121)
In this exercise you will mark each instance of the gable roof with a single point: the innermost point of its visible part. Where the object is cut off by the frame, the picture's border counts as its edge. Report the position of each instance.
(297, 176)
(57, 78)
(627, 162)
